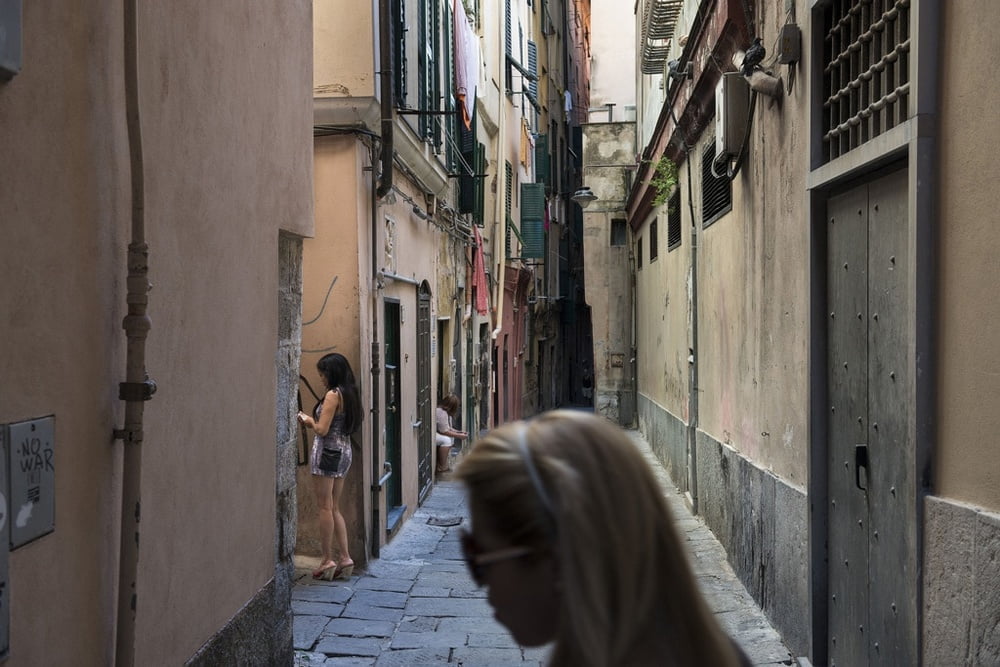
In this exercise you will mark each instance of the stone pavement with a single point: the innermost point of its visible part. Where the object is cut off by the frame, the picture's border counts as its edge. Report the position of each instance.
(417, 606)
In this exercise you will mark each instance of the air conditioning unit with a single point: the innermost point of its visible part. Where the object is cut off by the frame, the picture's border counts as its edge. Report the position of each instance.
(732, 102)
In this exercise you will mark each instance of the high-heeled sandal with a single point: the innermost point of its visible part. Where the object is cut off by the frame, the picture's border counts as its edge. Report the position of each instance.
(344, 571)
(327, 573)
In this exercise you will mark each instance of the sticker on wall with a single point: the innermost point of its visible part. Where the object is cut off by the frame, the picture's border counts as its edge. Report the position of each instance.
(31, 462)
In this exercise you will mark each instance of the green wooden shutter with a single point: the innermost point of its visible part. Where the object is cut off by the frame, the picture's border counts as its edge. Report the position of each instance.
(480, 166)
(542, 159)
(533, 220)
(399, 51)
(468, 169)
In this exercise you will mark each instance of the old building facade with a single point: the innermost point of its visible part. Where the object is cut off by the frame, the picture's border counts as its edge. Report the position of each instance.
(442, 148)
(157, 174)
(808, 325)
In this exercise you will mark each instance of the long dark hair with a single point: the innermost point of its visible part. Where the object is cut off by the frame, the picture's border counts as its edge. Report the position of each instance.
(337, 373)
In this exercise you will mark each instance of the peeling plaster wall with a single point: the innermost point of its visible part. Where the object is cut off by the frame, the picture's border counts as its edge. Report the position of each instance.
(608, 155)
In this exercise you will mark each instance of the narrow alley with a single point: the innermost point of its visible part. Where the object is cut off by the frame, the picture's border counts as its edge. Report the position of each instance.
(417, 605)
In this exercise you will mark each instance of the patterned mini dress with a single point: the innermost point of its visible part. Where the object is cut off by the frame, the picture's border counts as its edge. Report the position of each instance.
(335, 438)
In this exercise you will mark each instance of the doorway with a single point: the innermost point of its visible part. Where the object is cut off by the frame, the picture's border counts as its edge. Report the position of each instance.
(872, 574)
(394, 487)
(425, 412)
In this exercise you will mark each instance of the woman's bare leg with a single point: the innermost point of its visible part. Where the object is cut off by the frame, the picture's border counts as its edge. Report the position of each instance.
(324, 489)
(442, 457)
(339, 525)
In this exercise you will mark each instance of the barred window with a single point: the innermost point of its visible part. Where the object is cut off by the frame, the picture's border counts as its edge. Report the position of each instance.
(638, 253)
(866, 79)
(716, 191)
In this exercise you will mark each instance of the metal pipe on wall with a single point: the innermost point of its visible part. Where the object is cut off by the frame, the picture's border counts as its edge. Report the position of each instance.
(383, 187)
(137, 387)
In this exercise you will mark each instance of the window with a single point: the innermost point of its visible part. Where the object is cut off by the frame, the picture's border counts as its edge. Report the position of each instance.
(716, 192)
(399, 51)
(618, 232)
(638, 253)
(866, 72)
(674, 220)
(653, 241)
(429, 79)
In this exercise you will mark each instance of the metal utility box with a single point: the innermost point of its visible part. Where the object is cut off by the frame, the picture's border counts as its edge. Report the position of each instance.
(789, 44)
(732, 100)
(10, 38)
(31, 469)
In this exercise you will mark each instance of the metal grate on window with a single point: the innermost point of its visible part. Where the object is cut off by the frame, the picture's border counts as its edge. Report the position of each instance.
(716, 192)
(866, 80)
(674, 220)
(638, 253)
(654, 241)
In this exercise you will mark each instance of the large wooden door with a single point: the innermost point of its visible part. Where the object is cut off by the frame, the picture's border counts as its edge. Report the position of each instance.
(872, 548)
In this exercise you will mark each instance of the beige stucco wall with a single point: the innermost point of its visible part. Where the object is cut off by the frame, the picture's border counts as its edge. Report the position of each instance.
(227, 150)
(753, 341)
(334, 265)
(664, 318)
(966, 457)
(344, 72)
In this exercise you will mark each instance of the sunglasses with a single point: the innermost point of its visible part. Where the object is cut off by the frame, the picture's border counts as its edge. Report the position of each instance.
(478, 560)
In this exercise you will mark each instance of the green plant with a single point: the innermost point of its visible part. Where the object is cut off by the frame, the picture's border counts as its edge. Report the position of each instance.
(663, 180)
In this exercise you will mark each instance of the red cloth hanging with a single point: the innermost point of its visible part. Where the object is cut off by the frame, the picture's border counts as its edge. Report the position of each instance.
(479, 281)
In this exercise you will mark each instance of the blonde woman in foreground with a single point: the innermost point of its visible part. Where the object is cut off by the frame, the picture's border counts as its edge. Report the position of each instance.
(573, 537)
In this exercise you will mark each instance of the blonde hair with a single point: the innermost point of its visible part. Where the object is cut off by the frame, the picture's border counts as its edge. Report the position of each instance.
(574, 485)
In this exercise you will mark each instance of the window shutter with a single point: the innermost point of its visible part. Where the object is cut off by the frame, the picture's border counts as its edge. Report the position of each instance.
(533, 68)
(468, 182)
(542, 159)
(533, 220)
(480, 165)
(508, 40)
(399, 51)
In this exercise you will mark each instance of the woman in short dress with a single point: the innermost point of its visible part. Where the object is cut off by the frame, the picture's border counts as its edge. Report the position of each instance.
(334, 419)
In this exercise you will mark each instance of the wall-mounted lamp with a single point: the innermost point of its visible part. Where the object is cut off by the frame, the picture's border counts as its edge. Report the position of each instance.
(584, 196)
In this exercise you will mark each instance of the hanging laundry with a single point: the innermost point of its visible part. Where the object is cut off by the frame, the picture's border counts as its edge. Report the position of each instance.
(479, 282)
(466, 63)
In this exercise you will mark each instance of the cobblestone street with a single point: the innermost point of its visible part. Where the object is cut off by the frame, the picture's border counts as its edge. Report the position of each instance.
(417, 605)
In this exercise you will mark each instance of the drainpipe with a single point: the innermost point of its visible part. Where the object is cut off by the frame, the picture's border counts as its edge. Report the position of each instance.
(137, 387)
(386, 94)
(383, 187)
(692, 429)
(376, 370)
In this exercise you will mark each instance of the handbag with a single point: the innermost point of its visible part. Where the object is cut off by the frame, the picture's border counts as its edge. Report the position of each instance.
(329, 460)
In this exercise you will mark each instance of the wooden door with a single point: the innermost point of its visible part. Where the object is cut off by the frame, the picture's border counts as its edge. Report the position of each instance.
(872, 548)
(425, 410)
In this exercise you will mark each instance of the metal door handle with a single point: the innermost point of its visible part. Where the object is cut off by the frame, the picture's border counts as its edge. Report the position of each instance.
(391, 408)
(417, 424)
(860, 461)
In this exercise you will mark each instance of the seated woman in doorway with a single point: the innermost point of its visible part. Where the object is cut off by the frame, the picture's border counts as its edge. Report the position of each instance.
(446, 435)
